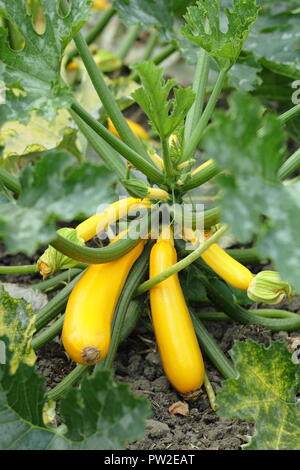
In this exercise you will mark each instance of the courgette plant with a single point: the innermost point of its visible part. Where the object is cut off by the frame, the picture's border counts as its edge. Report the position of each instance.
(245, 152)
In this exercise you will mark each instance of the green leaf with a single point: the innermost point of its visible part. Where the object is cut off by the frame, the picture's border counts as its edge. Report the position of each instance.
(275, 41)
(264, 392)
(147, 13)
(165, 114)
(17, 323)
(53, 189)
(32, 75)
(24, 388)
(116, 416)
(204, 28)
(255, 202)
(102, 415)
(244, 77)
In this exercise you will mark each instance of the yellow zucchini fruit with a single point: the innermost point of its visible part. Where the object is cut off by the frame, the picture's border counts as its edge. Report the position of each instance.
(86, 331)
(175, 335)
(101, 4)
(233, 272)
(97, 223)
(138, 130)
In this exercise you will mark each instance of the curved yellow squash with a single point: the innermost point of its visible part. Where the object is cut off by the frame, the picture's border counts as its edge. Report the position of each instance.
(96, 223)
(227, 267)
(175, 335)
(87, 325)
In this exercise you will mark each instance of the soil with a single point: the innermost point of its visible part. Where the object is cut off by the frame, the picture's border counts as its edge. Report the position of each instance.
(138, 364)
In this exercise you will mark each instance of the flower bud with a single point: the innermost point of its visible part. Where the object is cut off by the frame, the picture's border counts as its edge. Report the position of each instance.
(52, 260)
(267, 287)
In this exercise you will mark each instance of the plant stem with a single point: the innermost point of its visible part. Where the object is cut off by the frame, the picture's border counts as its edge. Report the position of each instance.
(182, 264)
(199, 87)
(107, 253)
(128, 40)
(106, 97)
(168, 167)
(26, 269)
(101, 147)
(285, 117)
(266, 313)
(196, 135)
(160, 57)
(245, 256)
(71, 379)
(212, 349)
(221, 296)
(10, 181)
(289, 166)
(150, 45)
(96, 31)
(55, 281)
(48, 334)
(200, 178)
(210, 393)
(133, 157)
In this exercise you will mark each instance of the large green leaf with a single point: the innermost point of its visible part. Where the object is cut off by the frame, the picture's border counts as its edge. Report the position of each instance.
(17, 323)
(101, 415)
(32, 75)
(53, 189)
(275, 39)
(254, 201)
(165, 115)
(203, 27)
(147, 13)
(265, 392)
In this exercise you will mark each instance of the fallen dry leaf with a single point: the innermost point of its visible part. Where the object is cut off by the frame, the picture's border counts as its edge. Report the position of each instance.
(179, 408)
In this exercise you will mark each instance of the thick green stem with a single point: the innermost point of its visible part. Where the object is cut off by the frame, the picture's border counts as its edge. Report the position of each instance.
(10, 181)
(266, 313)
(167, 162)
(110, 157)
(221, 296)
(212, 349)
(133, 157)
(128, 40)
(107, 253)
(290, 114)
(150, 45)
(290, 166)
(160, 57)
(200, 178)
(71, 379)
(48, 334)
(95, 31)
(199, 87)
(106, 97)
(210, 393)
(196, 135)
(58, 280)
(26, 269)
(245, 256)
(182, 264)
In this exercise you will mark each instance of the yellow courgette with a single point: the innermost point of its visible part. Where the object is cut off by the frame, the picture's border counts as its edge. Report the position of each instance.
(87, 325)
(175, 335)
